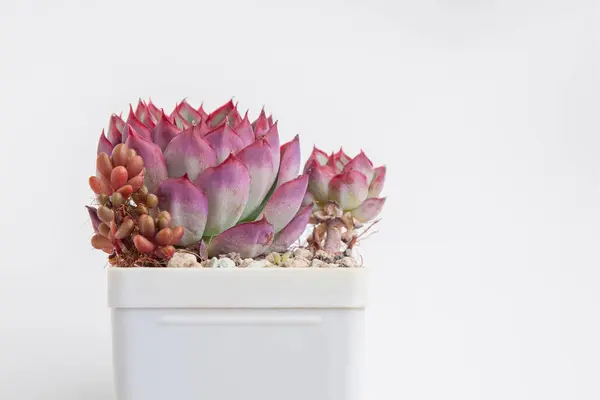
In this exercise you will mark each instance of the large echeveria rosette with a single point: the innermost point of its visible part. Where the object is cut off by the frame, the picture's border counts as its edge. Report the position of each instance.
(225, 179)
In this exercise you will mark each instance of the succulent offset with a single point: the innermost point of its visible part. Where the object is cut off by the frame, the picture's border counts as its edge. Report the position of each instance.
(126, 222)
(218, 177)
(345, 193)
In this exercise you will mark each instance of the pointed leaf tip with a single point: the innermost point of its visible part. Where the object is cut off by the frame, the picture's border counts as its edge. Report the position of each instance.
(189, 152)
(154, 160)
(362, 164)
(93, 213)
(104, 145)
(290, 161)
(338, 160)
(224, 141)
(189, 113)
(138, 126)
(317, 155)
(217, 117)
(115, 127)
(376, 186)
(244, 131)
(164, 131)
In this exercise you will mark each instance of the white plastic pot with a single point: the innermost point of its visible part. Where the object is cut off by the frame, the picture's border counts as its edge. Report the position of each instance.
(235, 334)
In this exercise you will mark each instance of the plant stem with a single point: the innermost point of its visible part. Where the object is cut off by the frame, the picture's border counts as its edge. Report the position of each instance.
(333, 239)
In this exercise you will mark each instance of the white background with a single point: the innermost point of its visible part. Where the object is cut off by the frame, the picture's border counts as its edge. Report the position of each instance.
(485, 269)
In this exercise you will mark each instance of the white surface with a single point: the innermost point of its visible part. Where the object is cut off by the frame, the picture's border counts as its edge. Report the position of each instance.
(242, 338)
(486, 268)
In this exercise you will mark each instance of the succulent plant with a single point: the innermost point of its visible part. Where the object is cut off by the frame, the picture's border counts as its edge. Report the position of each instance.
(225, 180)
(127, 223)
(345, 193)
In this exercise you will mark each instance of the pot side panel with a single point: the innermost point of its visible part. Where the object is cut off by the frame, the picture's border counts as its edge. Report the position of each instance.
(236, 354)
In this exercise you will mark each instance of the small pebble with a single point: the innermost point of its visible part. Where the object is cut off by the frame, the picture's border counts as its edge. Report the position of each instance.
(296, 263)
(212, 263)
(259, 264)
(348, 262)
(246, 262)
(303, 253)
(324, 256)
(301, 263)
(286, 256)
(233, 256)
(316, 263)
(274, 258)
(183, 260)
(226, 263)
(332, 265)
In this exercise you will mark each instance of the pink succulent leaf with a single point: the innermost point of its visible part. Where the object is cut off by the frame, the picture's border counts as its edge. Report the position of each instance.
(154, 160)
(348, 189)
(262, 113)
(270, 120)
(260, 125)
(217, 117)
(249, 239)
(244, 131)
(187, 205)
(362, 164)
(164, 131)
(234, 118)
(338, 160)
(189, 113)
(226, 187)
(93, 212)
(289, 165)
(202, 113)
(189, 153)
(143, 114)
(154, 111)
(292, 231)
(285, 202)
(139, 127)
(202, 250)
(369, 209)
(308, 200)
(259, 160)
(203, 128)
(126, 132)
(272, 137)
(318, 155)
(378, 181)
(115, 127)
(104, 145)
(225, 141)
(179, 121)
(320, 177)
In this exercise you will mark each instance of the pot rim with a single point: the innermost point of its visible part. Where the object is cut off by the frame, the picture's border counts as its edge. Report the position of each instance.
(145, 287)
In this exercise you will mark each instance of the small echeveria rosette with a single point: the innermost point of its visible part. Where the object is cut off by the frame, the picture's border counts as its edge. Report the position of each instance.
(345, 193)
